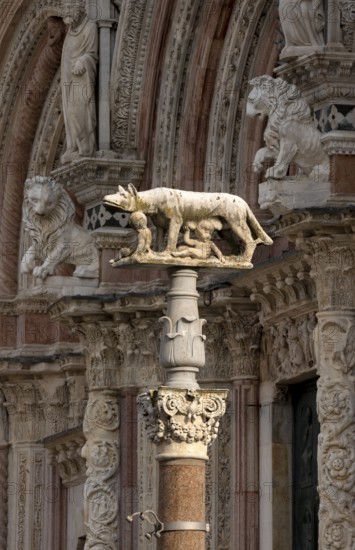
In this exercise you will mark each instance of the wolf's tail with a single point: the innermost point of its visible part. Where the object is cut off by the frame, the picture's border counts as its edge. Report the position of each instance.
(256, 228)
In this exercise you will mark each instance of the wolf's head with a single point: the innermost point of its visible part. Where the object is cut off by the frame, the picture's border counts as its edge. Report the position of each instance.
(125, 200)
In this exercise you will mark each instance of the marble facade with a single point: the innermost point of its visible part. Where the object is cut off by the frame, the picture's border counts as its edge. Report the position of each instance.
(171, 97)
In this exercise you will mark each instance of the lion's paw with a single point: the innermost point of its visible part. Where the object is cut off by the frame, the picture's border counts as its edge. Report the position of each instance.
(41, 272)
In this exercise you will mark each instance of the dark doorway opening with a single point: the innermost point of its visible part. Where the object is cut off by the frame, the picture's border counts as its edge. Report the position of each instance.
(305, 477)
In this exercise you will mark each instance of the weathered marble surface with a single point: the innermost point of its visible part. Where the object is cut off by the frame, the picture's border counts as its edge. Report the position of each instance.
(303, 24)
(201, 213)
(78, 72)
(48, 214)
(290, 134)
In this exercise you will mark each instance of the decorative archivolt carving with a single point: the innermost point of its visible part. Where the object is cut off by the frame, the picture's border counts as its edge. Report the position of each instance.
(229, 97)
(127, 76)
(177, 51)
(23, 129)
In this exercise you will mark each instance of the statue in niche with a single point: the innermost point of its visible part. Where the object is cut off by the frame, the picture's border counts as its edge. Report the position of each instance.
(78, 73)
(172, 209)
(48, 214)
(290, 134)
(302, 23)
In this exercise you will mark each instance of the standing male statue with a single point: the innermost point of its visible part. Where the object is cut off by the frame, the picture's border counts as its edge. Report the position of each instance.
(78, 72)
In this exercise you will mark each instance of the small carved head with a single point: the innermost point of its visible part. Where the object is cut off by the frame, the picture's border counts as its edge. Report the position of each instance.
(205, 228)
(73, 11)
(138, 220)
(41, 194)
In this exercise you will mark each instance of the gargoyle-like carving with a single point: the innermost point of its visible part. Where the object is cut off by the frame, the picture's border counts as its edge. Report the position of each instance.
(290, 134)
(203, 213)
(48, 213)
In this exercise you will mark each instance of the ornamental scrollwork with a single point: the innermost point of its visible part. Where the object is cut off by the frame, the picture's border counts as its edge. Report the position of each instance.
(188, 416)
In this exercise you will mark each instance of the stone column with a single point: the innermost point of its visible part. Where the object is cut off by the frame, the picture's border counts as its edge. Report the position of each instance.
(4, 462)
(27, 466)
(182, 350)
(243, 334)
(333, 269)
(101, 430)
(182, 423)
(4, 451)
(181, 419)
(105, 24)
(334, 36)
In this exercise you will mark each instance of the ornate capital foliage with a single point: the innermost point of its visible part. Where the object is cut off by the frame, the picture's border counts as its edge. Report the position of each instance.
(188, 416)
(333, 269)
(100, 348)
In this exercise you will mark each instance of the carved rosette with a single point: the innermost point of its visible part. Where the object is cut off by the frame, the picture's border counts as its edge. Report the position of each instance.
(101, 451)
(182, 422)
(333, 269)
(336, 411)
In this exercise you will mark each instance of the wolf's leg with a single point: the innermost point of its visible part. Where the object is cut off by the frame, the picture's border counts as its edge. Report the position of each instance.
(173, 234)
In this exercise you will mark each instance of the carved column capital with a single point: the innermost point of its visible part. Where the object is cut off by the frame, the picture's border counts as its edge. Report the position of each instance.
(100, 347)
(243, 337)
(332, 260)
(182, 422)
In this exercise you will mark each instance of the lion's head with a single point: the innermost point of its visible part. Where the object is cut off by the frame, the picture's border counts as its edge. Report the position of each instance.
(46, 206)
(275, 98)
(290, 134)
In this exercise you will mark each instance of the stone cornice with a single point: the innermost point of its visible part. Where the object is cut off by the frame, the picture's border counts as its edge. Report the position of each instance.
(93, 178)
(322, 76)
(24, 304)
(316, 222)
(283, 286)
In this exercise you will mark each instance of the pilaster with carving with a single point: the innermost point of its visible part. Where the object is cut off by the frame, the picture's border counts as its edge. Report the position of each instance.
(4, 460)
(101, 431)
(333, 269)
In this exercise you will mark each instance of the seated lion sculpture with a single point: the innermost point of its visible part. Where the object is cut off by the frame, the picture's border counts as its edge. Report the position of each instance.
(290, 134)
(48, 214)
